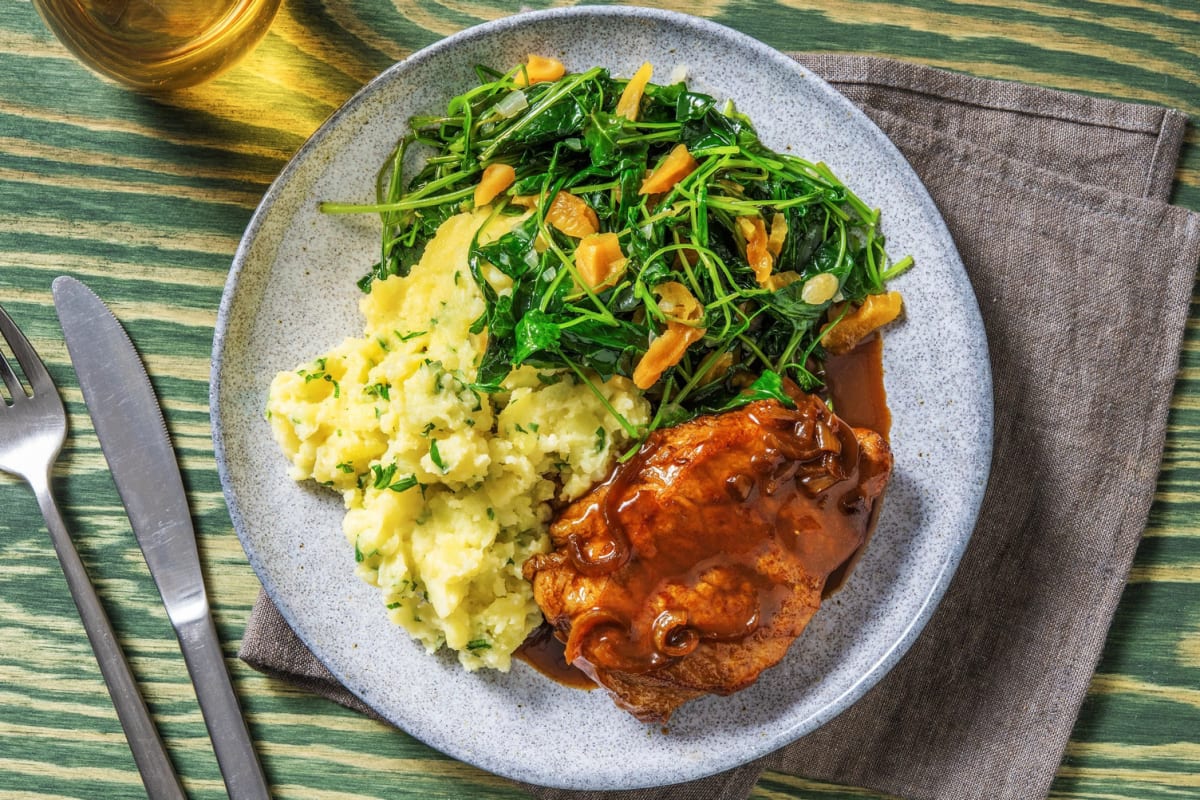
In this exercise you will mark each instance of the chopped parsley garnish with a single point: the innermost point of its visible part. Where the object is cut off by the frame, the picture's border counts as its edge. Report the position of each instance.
(319, 374)
(479, 644)
(404, 484)
(380, 390)
(383, 475)
(382, 479)
(436, 457)
(601, 439)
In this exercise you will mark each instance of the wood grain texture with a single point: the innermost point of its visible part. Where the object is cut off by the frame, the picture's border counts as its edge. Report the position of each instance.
(146, 198)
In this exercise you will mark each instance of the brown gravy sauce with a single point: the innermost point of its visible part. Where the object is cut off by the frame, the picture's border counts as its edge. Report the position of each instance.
(854, 382)
(544, 652)
(855, 387)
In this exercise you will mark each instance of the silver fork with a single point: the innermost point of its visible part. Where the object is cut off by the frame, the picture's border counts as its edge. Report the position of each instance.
(33, 427)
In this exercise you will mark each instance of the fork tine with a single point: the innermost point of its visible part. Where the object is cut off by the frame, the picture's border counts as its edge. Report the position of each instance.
(27, 357)
(10, 378)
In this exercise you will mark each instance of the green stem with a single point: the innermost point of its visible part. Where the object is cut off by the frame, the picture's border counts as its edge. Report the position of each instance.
(402, 205)
(899, 268)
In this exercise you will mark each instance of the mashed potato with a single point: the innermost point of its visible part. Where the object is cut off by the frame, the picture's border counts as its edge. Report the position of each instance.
(447, 490)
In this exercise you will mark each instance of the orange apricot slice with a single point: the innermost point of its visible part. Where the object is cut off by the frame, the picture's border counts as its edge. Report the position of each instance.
(599, 259)
(664, 353)
(631, 98)
(538, 69)
(572, 215)
(875, 312)
(495, 179)
(758, 256)
(678, 164)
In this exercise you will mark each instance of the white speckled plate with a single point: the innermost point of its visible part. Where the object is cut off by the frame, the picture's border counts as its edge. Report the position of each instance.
(291, 294)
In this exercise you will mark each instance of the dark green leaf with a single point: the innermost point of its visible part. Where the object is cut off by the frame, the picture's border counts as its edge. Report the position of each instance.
(768, 386)
(535, 332)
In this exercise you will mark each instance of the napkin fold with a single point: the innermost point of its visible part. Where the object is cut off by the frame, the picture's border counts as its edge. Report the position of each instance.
(1083, 272)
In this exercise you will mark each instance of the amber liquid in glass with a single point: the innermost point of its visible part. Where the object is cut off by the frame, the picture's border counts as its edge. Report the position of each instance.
(158, 45)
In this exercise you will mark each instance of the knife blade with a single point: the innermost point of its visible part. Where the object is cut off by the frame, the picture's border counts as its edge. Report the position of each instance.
(134, 439)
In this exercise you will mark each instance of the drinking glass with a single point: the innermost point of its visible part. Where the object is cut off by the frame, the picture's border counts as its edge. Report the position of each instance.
(158, 45)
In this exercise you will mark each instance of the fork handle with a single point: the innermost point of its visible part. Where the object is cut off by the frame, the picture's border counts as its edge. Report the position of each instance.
(149, 753)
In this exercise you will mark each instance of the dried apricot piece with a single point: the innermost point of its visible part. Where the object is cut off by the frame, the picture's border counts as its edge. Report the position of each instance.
(875, 312)
(677, 302)
(495, 179)
(778, 280)
(664, 353)
(682, 310)
(538, 69)
(779, 232)
(754, 231)
(599, 259)
(678, 164)
(572, 215)
(631, 98)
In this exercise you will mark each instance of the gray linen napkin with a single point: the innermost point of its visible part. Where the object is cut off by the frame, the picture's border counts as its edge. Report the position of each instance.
(1058, 204)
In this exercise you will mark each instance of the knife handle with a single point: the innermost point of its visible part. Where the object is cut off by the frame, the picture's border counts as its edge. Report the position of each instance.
(244, 779)
(149, 753)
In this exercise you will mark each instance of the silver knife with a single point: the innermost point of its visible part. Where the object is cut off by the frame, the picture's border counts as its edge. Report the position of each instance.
(134, 439)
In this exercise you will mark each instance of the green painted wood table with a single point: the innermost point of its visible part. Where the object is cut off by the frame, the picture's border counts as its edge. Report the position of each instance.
(146, 198)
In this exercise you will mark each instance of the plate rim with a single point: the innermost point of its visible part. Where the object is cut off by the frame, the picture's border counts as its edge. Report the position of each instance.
(940, 582)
